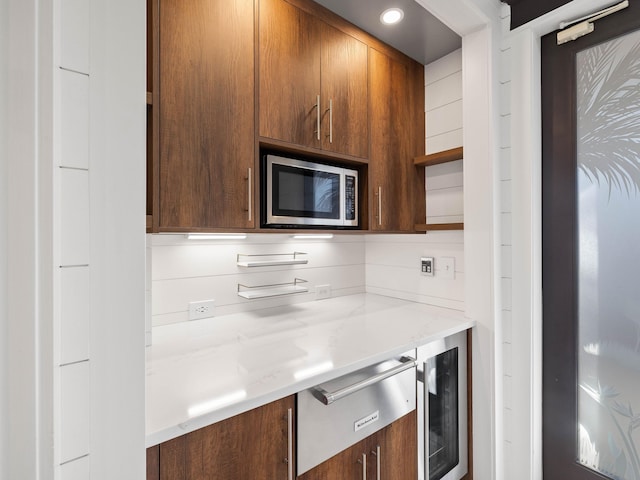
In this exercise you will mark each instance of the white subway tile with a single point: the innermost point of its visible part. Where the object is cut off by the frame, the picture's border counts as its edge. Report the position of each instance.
(444, 141)
(74, 35)
(445, 175)
(74, 314)
(443, 67)
(79, 469)
(74, 217)
(443, 92)
(444, 119)
(74, 121)
(74, 411)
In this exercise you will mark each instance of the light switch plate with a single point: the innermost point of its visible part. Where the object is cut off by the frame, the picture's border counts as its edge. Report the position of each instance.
(323, 291)
(447, 268)
(426, 266)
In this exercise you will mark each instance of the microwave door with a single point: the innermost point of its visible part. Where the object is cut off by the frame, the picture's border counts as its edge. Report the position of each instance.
(302, 196)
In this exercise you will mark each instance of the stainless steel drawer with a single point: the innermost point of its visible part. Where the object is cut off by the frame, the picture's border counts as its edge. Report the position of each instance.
(337, 414)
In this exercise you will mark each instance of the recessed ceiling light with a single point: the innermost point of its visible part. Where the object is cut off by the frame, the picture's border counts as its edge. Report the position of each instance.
(392, 16)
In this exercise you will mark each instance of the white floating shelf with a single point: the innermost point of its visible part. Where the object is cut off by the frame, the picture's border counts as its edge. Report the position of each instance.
(271, 262)
(272, 292)
(275, 290)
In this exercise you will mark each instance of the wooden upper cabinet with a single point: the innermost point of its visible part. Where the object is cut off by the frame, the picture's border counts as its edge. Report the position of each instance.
(313, 82)
(344, 109)
(206, 115)
(396, 109)
(254, 445)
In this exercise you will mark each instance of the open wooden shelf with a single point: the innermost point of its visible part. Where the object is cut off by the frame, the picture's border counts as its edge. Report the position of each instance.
(438, 158)
(429, 227)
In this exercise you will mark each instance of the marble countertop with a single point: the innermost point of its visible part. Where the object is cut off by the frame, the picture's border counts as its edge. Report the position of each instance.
(204, 371)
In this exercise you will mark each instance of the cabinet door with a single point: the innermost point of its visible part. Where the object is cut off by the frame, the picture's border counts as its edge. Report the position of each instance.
(206, 114)
(345, 127)
(254, 445)
(395, 450)
(289, 74)
(350, 464)
(393, 103)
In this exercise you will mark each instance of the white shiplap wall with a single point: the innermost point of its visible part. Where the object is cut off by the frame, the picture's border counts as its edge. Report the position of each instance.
(186, 271)
(443, 102)
(510, 470)
(72, 279)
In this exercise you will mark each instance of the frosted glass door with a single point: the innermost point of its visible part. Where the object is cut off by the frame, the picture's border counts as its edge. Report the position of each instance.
(608, 186)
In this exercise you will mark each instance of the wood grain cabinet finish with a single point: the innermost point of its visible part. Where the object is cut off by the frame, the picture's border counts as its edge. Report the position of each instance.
(313, 82)
(206, 114)
(390, 454)
(396, 106)
(254, 445)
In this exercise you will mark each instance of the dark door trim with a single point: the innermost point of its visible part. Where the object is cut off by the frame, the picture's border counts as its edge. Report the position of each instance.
(559, 240)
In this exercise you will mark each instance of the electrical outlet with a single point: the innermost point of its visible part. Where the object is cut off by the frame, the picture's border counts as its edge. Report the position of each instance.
(323, 291)
(203, 309)
(447, 268)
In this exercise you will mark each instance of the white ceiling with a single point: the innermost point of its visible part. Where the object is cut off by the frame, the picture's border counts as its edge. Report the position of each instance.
(420, 35)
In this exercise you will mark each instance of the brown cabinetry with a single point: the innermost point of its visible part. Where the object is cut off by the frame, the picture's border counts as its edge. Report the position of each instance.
(396, 106)
(203, 103)
(313, 82)
(255, 445)
(390, 454)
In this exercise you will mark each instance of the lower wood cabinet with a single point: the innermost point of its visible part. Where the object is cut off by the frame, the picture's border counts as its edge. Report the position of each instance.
(390, 454)
(256, 445)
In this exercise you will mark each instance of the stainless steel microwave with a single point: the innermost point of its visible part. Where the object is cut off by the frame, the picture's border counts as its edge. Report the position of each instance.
(298, 193)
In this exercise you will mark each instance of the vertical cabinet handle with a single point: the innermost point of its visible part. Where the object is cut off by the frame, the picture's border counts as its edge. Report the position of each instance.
(380, 206)
(363, 461)
(249, 194)
(317, 132)
(290, 444)
(376, 453)
(330, 110)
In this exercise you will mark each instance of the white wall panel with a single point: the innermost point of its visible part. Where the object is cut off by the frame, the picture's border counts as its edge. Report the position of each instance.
(79, 469)
(74, 411)
(444, 119)
(445, 203)
(74, 217)
(444, 141)
(74, 314)
(443, 67)
(445, 91)
(445, 175)
(74, 119)
(74, 35)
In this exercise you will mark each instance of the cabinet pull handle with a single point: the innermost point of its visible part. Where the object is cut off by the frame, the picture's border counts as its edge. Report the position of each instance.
(330, 110)
(363, 461)
(376, 453)
(249, 194)
(290, 444)
(380, 206)
(317, 107)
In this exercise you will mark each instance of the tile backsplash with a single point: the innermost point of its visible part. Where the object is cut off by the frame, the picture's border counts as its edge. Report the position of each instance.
(184, 271)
